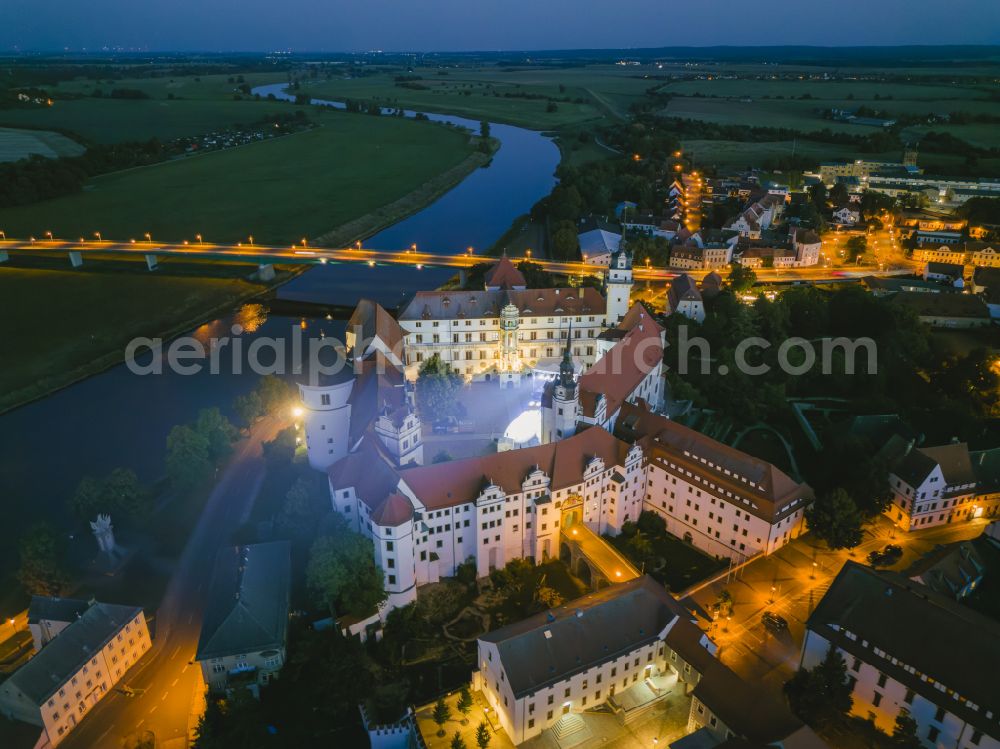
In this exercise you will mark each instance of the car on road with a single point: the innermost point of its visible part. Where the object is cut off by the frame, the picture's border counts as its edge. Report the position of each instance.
(774, 622)
(885, 557)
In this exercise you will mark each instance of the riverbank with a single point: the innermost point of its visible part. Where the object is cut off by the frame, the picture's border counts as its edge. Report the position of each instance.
(381, 218)
(89, 316)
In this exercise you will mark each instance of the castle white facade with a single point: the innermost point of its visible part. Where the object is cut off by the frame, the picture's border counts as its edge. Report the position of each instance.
(606, 456)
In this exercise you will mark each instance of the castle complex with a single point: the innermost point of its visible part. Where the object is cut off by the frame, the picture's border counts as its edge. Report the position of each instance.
(605, 453)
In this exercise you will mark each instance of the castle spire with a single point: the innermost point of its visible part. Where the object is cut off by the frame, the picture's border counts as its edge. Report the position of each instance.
(566, 368)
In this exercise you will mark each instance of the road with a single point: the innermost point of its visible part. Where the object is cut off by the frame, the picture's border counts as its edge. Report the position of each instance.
(615, 567)
(302, 253)
(167, 681)
(791, 583)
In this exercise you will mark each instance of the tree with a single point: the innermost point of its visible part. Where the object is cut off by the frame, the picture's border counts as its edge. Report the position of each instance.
(457, 742)
(835, 518)
(741, 279)
(484, 129)
(856, 247)
(276, 395)
(465, 703)
(189, 459)
(838, 194)
(280, 451)
(217, 430)
(42, 570)
(300, 510)
(341, 572)
(565, 243)
(437, 389)
(442, 456)
(441, 714)
(248, 408)
(904, 732)
(118, 494)
(724, 603)
(823, 693)
(483, 736)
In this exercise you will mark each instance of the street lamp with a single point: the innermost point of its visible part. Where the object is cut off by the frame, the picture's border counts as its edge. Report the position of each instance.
(251, 240)
(3, 234)
(304, 241)
(358, 244)
(413, 247)
(148, 236)
(198, 237)
(49, 235)
(528, 252)
(98, 236)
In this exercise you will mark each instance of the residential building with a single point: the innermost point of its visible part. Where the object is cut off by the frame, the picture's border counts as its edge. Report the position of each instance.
(759, 216)
(910, 648)
(616, 647)
(939, 485)
(76, 669)
(946, 310)
(684, 298)
(720, 499)
(954, 570)
(847, 215)
(938, 237)
(983, 254)
(801, 249)
(50, 615)
(948, 272)
(939, 253)
(598, 245)
(245, 629)
(884, 286)
(694, 256)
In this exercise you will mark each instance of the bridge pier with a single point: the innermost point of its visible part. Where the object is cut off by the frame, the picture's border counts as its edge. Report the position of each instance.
(463, 278)
(4, 257)
(75, 258)
(265, 272)
(151, 261)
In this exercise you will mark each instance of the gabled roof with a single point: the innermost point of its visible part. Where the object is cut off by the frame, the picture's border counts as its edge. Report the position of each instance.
(729, 473)
(885, 610)
(682, 289)
(599, 242)
(943, 305)
(954, 459)
(65, 655)
(55, 609)
(461, 481)
(585, 632)
(954, 270)
(247, 609)
(503, 275)
(619, 372)
(380, 388)
(373, 321)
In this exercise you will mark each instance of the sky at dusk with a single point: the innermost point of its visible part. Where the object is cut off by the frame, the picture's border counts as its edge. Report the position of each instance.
(454, 25)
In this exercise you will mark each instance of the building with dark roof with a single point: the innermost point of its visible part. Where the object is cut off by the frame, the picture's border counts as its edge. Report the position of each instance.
(684, 298)
(77, 668)
(909, 647)
(619, 646)
(50, 615)
(946, 310)
(245, 628)
(940, 485)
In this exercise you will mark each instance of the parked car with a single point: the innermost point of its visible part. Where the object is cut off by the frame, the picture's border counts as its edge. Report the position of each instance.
(893, 552)
(774, 622)
(886, 557)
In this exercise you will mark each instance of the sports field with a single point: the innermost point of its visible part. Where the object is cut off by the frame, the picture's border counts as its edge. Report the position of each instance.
(20, 144)
(300, 185)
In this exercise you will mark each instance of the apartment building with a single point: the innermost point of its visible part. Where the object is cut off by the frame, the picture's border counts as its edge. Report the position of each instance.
(76, 669)
(886, 626)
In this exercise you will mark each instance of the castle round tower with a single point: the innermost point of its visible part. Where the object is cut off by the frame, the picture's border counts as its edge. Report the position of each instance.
(327, 419)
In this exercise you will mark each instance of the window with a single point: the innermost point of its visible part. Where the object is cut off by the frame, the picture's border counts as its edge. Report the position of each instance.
(392, 579)
(933, 733)
(939, 715)
(324, 399)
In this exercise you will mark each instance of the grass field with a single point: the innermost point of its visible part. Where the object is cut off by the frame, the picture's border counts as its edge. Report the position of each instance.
(497, 94)
(62, 325)
(117, 120)
(20, 144)
(301, 185)
(213, 87)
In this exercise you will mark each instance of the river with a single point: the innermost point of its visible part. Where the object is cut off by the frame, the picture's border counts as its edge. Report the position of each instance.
(118, 418)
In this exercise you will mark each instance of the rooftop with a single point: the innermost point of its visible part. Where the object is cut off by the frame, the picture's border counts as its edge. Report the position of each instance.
(247, 609)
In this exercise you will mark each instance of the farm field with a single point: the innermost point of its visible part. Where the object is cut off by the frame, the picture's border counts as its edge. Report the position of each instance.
(499, 95)
(88, 317)
(300, 185)
(215, 86)
(20, 144)
(117, 120)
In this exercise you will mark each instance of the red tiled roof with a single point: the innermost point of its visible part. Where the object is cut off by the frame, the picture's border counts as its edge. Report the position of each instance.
(503, 275)
(768, 489)
(461, 481)
(395, 511)
(620, 371)
(374, 321)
